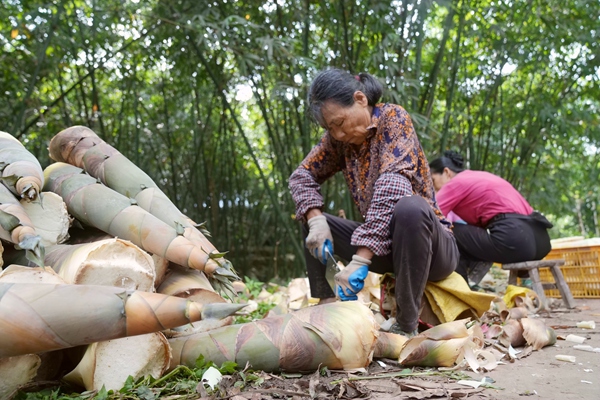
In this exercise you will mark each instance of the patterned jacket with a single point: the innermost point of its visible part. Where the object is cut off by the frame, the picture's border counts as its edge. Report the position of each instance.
(390, 164)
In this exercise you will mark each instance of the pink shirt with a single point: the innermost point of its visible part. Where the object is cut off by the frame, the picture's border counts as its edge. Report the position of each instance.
(478, 196)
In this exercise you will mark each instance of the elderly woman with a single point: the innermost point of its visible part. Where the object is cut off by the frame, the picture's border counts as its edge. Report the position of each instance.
(403, 231)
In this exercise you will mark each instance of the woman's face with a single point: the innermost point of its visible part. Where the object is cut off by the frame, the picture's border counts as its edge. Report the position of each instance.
(348, 124)
(439, 180)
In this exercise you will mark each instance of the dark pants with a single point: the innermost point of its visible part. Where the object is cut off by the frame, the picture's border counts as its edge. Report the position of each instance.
(507, 240)
(422, 250)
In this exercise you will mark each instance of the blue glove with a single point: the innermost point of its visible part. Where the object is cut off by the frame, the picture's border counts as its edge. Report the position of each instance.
(351, 279)
(319, 241)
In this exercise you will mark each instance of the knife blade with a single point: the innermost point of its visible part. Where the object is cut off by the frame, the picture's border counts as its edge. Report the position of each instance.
(331, 269)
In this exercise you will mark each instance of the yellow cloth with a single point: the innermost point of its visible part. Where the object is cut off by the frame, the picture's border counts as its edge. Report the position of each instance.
(513, 291)
(452, 296)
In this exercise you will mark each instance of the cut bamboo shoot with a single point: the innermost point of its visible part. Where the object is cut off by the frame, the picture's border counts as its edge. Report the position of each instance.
(111, 362)
(49, 217)
(17, 371)
(109, 262)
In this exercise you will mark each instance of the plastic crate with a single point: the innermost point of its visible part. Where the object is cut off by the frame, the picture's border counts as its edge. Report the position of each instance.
(581, 269)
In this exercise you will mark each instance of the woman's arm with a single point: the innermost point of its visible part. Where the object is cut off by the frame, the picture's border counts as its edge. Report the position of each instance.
(323, 161)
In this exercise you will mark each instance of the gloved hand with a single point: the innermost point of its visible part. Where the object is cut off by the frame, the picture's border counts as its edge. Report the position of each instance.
(319, 239)
(351, 279)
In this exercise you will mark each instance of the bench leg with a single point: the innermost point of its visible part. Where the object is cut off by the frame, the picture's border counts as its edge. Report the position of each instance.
(562, 286)
(512, 277)
(538, 288)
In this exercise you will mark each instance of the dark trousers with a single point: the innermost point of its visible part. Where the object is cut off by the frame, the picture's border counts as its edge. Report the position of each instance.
(422, 250)
(507, 240)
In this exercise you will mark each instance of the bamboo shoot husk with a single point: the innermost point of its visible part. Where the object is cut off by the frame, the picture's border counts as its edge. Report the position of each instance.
(512, 333)
(537, 334)
(192, 285)
(17, 371)
(440, 346)
(49, 217)
(21, 171)
(109, 262)
(116, 215)
(16, 227)
(337, 335)
(110, 363)
(43, 317)
(389, 345)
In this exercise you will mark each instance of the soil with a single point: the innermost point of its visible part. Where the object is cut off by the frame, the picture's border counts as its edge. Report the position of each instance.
(537, 376)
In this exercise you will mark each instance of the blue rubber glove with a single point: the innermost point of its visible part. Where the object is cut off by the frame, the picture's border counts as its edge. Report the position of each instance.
(351, 279)
(319, 241)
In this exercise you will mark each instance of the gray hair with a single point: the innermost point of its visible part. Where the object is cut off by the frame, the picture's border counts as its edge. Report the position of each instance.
(339, 86)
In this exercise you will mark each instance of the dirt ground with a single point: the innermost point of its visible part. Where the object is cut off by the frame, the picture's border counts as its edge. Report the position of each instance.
(537, 376)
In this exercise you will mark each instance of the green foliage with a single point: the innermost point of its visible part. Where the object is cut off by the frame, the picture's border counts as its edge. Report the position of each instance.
(180, 381)
(209, 97)
(255, 288)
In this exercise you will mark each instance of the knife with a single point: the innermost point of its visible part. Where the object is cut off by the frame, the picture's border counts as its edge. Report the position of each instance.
(331, 269)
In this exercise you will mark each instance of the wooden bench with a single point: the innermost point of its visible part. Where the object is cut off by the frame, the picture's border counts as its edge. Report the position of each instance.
(538, 287)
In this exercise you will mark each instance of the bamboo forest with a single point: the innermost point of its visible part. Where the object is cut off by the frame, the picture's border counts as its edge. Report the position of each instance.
(209, 98)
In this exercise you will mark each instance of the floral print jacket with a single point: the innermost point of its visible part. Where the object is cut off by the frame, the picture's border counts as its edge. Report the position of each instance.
(390, 164)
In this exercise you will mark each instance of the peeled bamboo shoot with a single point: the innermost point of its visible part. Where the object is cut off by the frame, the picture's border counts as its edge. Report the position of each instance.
(43, 317)
(21, 171)
(337, 335)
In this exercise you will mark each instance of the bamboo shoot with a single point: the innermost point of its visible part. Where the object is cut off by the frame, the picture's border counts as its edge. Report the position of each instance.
(116, 215)
(337, 335)
(49, 217)
(21, 171)
(81, 147)
(42, 317)
(109, 262)
(111, 362)
(16, 227)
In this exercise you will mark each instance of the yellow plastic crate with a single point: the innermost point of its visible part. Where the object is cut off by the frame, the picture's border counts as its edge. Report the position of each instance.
(581, 269)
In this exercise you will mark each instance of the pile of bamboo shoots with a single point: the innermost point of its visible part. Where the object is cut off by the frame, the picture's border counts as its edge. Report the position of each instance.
(96, 255)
